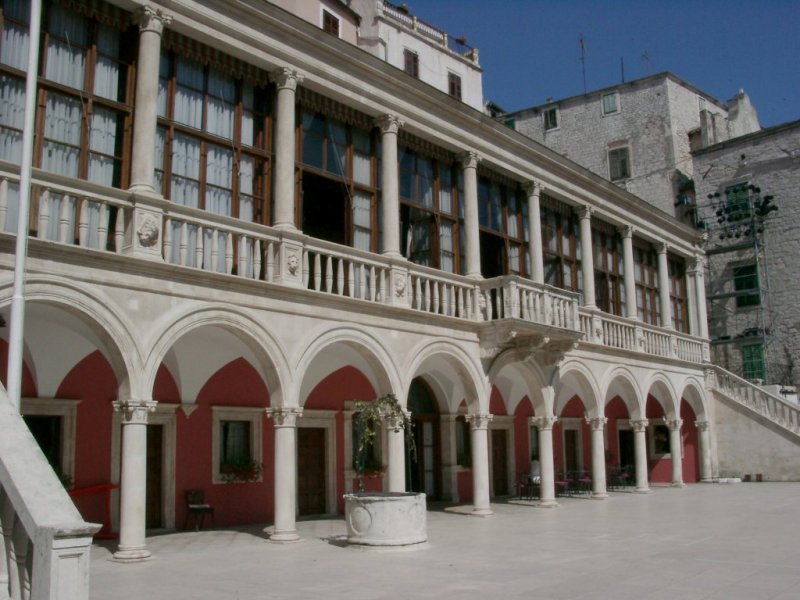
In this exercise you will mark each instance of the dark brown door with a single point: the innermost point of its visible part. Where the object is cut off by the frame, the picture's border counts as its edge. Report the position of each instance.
(311, 470)
(627, 455)
(499, 462)
(153, 512)
(571, 449)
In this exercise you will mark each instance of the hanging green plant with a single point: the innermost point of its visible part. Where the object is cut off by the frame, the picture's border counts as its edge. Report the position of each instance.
(241, 471)
(369, 418)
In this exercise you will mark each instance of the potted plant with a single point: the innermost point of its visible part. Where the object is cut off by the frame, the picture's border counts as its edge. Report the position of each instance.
(240, 471)
(382, 518)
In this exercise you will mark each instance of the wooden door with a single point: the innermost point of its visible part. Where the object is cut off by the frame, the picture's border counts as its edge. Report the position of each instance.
(571, 462)
(154, 493)
(499, 462)
(627, 454)
(311, 471)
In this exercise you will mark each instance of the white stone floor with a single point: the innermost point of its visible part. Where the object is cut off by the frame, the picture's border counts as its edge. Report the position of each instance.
(737, 541)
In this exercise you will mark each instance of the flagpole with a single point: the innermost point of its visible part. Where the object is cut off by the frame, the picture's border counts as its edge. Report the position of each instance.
(16, 338)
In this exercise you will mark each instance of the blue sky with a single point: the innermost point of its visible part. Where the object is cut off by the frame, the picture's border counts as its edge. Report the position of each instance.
(529, 49)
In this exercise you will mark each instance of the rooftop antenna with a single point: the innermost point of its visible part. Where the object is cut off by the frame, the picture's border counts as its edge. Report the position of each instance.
(622, 68)
(647, 64)
(583, 60)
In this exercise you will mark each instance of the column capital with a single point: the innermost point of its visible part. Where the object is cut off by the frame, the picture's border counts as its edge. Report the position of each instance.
(153, 19)
(469, 160)
(479, 420)
(532, 188)
(663, 247)
(626, 231)
(701, 425)
(287, 78)
(285, 416)
(543, 422)
(699, 263)
(674, 424)
(134, 411)
(597, 423)
(389, 123)
(639, 424)
(396, 422)
(585, 211)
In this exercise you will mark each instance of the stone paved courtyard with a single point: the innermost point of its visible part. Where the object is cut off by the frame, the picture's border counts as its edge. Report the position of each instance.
(704, 541)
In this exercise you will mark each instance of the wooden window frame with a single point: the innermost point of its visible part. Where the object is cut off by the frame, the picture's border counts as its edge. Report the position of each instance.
(677, 293)
(506, 194)
(411, 63)
(330, 23)
(454, 85)
(617, 159)
(645, 261)
(550, 118)
(566, 226)
(608, 259)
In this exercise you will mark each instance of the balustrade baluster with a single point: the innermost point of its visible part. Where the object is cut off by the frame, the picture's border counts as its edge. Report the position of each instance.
(317, 272)
(83, 222)
(184, 243)
(460, 302)
(229, 252)
(435, 305)
(44, 214)
(329, 274)
(200, 249)
(362, 281)
(102, 226)
(63, 220)
(373, 283)
(241, 269)
(119, 230)
(258, 248)
(166, 246)
(427, 296)
(270, 270)
(306, 273)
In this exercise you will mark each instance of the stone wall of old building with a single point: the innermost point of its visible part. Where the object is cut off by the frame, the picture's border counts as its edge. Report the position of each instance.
(769, 160)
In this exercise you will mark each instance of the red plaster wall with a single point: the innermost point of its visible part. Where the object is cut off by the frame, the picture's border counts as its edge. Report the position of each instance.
(691, 453)
(496, 404)
(235, 384)
(28, 386)
(615, 412)
(347, 383)
(464, 485)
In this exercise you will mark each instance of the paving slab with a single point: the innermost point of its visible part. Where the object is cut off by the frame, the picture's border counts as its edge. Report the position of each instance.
(703, 541)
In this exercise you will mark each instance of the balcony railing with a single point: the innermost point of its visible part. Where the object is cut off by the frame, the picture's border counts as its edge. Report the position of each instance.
(97, 218)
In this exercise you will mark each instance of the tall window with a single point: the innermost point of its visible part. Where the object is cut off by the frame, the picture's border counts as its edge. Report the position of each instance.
(502, 229)
(745, 283)
(619, 164)
(454, 85)
(753, 363)
(212, 143)
(738, 202)
(645, 269)
(411, 63)
(610, 103)
(608, 270)
(84, 102)
(677, 293)
(330, 23)
(561, 246)
(429, 192)
(338, 184)
(550, 117)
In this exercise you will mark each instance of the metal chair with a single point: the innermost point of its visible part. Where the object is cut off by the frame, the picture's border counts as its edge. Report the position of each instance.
(198, 508)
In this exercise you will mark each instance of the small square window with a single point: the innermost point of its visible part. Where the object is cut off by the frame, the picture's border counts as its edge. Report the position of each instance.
(411, 63)
(610, 103)
(454, 85)
(550, 118)
(330, 23)
(236, 444)
(619, 164)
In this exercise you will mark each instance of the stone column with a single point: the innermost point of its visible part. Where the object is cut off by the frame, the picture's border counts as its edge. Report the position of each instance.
(286, 81)
(629, 275)
(587, 257)
(547, 486)
(691, 300)
(285, 418)
(395, 428)
(151, 25)
(389, 125)
(533, 190)
(639, 427)
(675, 449)
(598, 457)
(700, 293)
(663, 287)
(480, 463)
(469, 164)
(704, 443)
(133, 479)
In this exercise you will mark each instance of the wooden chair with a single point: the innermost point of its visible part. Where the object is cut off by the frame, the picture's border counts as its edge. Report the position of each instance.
(197, 508)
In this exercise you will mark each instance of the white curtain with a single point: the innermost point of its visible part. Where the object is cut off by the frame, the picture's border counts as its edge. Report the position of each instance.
(106, 73)
(445, 190)
(158, 172)
(362, 221)
(189, 95)
(62, 132)
(513, 258)
(66, 60)
(163, 76)
(185, 188)
(221, 99)
(93, 215)
(425, 178)
(246, 187)
(12, 115)
(14, 45)
(361, 157)
(248, 116)
(511, 217)
(219, 167)
(102, 141)
(12, 207)
(446, 247)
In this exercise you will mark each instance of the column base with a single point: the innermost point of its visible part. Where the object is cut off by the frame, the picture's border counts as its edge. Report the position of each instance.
(678, 484)
(285, 227)
(707, 480)
(481, 512)
(547, 504)
(646, 490)
(599, 495)
(130, 555)
(283, 537)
